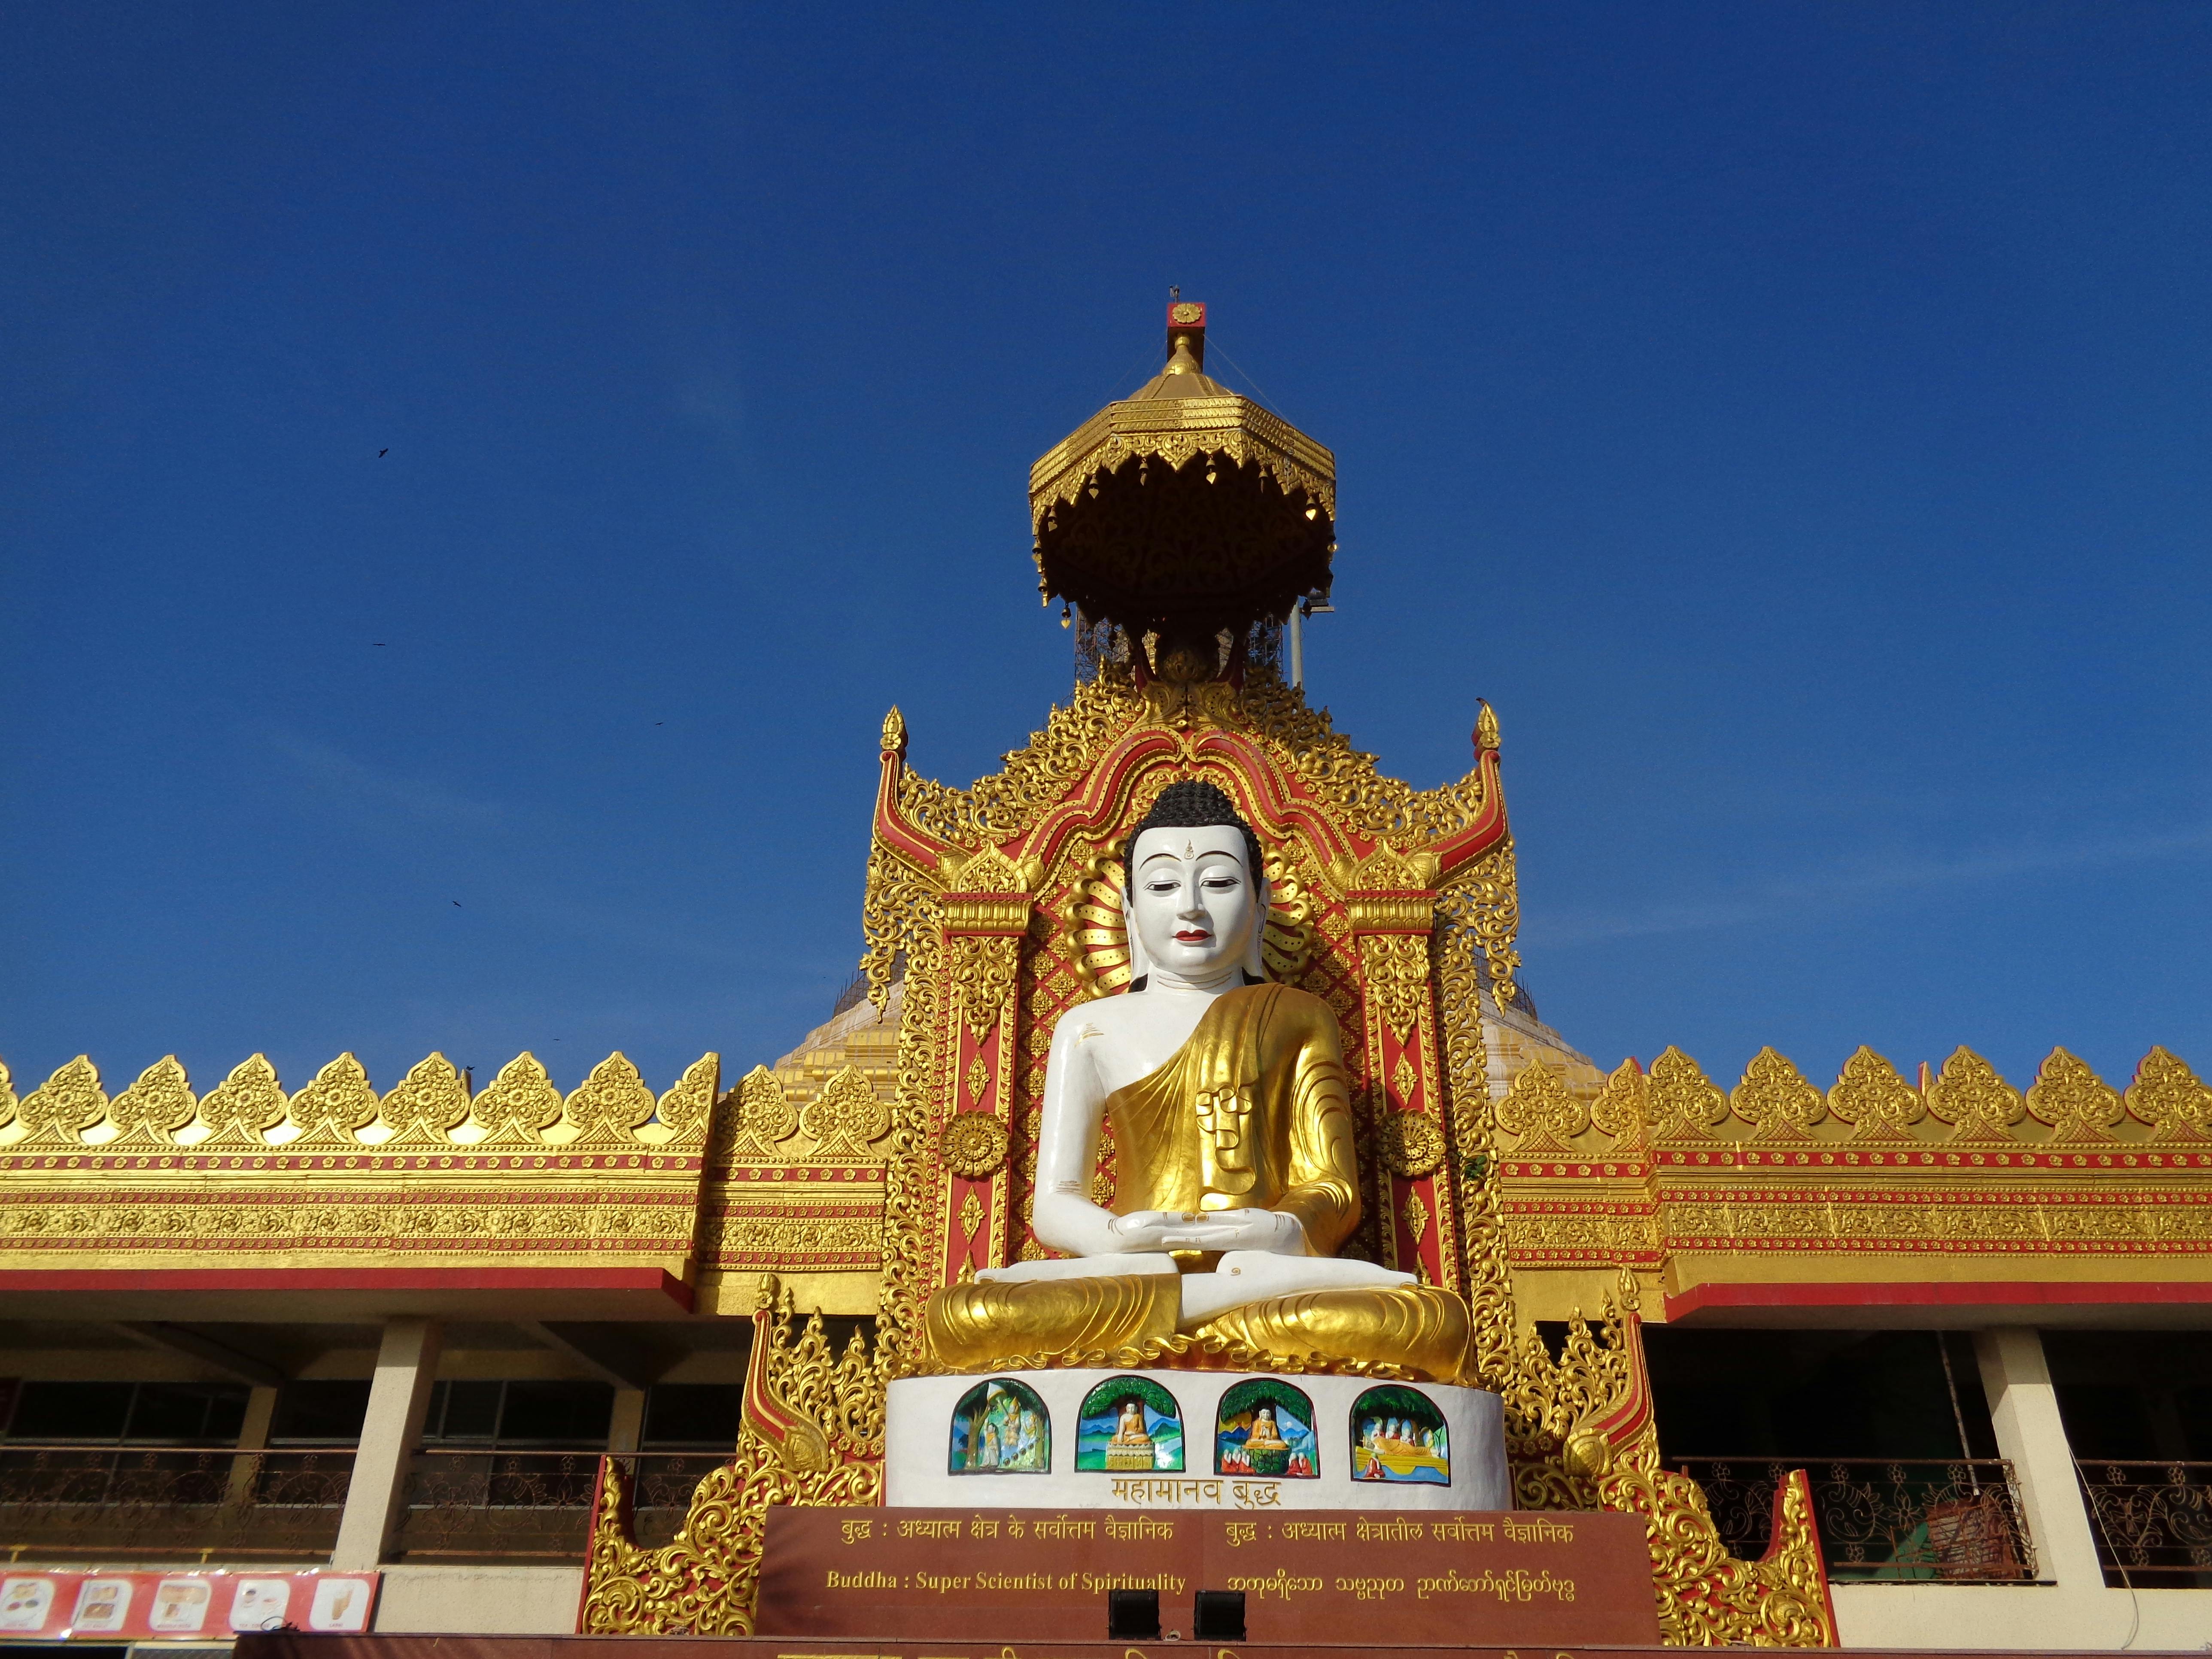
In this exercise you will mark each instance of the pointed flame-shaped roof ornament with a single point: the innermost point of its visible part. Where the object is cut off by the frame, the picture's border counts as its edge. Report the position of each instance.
(1184, 509)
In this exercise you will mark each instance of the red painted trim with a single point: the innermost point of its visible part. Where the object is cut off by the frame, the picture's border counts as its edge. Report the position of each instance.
(1271, 794)
(598, 1491)
(1926, 1293)
(348, 1278)
(911, 843)
(1104, 795)
(1487, 830)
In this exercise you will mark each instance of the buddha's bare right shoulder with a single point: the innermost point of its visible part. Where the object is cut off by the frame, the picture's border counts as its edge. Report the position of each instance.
(1105, 1016)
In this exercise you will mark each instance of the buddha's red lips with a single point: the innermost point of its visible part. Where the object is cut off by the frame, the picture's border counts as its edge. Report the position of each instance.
(1193, 936)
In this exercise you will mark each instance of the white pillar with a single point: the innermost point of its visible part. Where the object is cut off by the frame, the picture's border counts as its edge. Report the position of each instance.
(406, 1366)
(627, 1422)
(2024, 1412)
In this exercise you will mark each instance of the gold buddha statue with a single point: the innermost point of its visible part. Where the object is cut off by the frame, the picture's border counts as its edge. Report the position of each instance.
(1233, 1131)
(1130, 1451)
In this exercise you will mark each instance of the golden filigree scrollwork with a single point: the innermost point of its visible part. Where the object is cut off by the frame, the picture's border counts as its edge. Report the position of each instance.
(1486, 1279)
(1979, 1105)
(981, 968)
(1396, 884)
(1685, 1104)
(242, 1109)
(799, 1442)
(1878, 1103)
(609, 1105)
(1396, 967)
(1359, 795)
(704, 1582)
(1485, 898)
(518, 1105)
(1551, 1401)
(974, 1146)
(1706, 1597)
(1226, 430)
(151, 1110)
(1620, 1109)
(8, 1101)
(990, 875)
(686, 1110)
(337, 1104)
(2170, 1098)
(1580, 1435)
(426, 1106)
(230, 1185)
(898, 911)
(1539, 1109)
(1006, 805)
(71, 1101)
(761, 1116)
(1486, 726)
(2079, 1105)
(1776, 1101)
(1410, 1144)
(1415, 1214)
(844, 1118)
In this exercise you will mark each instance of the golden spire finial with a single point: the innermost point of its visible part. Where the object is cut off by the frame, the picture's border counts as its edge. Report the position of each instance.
(1186, 337)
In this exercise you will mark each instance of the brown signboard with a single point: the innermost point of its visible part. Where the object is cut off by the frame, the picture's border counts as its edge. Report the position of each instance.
(1410, 1576)
(1349, 1645)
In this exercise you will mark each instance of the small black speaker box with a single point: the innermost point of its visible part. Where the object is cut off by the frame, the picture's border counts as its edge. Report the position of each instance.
(1133, 1615)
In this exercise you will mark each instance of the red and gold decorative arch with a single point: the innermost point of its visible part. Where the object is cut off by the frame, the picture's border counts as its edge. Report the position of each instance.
(999, 907)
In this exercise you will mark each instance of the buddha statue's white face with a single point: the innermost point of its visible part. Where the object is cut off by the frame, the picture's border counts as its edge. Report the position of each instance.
(1195, 909)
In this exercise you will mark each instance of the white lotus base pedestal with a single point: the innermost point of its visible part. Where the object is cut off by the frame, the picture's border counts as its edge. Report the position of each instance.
(1180, 1439)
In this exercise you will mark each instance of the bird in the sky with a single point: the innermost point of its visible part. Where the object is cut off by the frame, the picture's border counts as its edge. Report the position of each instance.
(381, 453)
(660, 723)
(457, 904)
(376, 641)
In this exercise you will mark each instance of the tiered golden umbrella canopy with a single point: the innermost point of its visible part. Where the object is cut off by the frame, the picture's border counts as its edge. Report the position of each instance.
(1184, 510)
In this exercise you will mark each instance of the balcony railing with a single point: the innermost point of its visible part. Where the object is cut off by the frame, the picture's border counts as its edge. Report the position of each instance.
(170, 1503)
(2152, 1521)
(534, 1505)
(661, 1487)
(1882, 1520)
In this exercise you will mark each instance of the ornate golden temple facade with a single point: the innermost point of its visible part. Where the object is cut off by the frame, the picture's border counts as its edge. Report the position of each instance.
(893, 1152)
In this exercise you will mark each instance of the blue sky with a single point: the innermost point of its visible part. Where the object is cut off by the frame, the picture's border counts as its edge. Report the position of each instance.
(1794, 418)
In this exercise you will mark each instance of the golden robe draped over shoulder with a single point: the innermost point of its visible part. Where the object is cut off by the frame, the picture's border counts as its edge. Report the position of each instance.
(1253, 1112)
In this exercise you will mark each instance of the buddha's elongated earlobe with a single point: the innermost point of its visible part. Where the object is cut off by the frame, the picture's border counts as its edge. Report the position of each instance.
(1255, 966)
(1139, 965)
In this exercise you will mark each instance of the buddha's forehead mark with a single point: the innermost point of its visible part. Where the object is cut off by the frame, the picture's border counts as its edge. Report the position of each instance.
(1224, 841)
